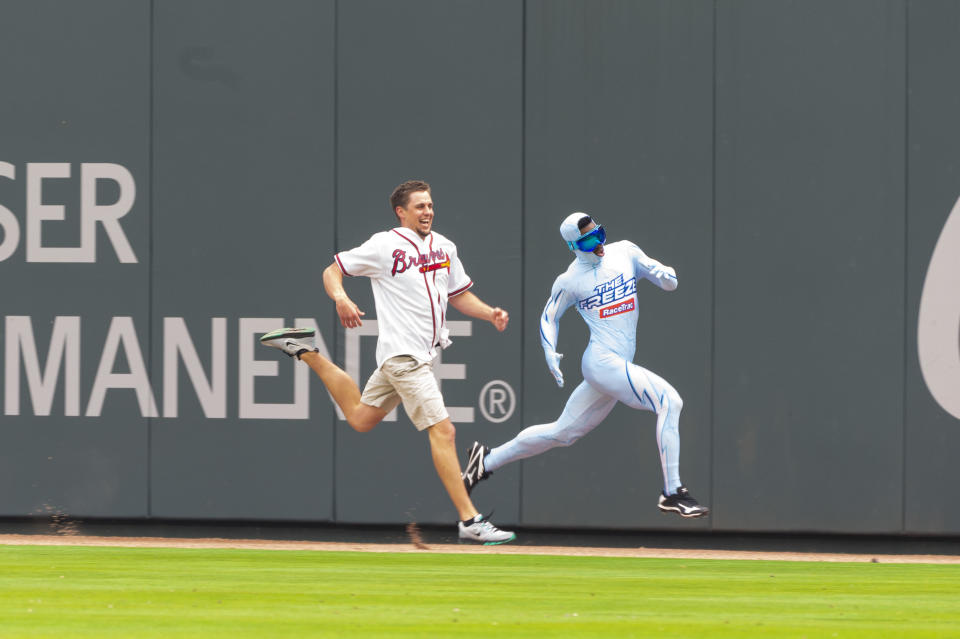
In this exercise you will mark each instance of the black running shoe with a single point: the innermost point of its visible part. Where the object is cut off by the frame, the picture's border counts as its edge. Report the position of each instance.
(475, 472)
(683, 503)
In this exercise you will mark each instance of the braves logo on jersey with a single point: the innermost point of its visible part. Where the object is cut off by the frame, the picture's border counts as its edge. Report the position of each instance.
(611, 296)
(426, 261)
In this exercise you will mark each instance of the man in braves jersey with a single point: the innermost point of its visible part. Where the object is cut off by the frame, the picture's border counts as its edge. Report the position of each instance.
(414, 272)
(602, 283)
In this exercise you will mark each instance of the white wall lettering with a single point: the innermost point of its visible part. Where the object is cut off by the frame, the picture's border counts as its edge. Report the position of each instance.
(8, 221)
(40, 215)
(938, 323)
(122, 332)
(109, 215)
(180, 351)
(251, 368)
(442, 371)
(64, 349)
(177, 346)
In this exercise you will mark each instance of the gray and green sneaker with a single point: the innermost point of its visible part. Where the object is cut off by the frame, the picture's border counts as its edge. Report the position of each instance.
(292, 341)
(481, 531)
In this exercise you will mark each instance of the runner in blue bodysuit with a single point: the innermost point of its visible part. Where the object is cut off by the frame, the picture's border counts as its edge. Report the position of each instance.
(602, 283)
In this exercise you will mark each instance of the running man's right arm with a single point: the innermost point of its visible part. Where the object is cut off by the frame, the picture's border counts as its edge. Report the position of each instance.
(559, 302)
(366, 260)
(349, 313)
(648, 268)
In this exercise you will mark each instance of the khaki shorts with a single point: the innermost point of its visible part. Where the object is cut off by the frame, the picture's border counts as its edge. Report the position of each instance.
(403, 378)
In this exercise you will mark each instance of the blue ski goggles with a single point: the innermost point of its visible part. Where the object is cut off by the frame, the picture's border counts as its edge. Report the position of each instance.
(589, 241)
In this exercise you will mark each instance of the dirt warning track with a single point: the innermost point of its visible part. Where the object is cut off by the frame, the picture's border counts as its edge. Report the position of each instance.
(505, 549)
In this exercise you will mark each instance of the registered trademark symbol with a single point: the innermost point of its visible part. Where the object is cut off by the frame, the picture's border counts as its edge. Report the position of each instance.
(497, 401)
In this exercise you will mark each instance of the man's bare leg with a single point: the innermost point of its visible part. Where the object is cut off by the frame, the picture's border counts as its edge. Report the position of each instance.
(345, 393)
(363, 418)
(443, 448)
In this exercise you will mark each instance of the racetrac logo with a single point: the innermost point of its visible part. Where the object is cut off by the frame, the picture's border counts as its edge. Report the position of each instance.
(616, 309)
(609, 292)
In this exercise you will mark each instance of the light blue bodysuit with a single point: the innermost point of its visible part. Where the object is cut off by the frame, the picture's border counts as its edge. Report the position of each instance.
(604, 290)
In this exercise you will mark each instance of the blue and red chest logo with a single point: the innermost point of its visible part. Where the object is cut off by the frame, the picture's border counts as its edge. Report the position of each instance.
(617, 308)
(613, 297)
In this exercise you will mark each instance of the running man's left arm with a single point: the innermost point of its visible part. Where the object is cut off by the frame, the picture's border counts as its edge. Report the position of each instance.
(472, 306)
(560, 300)
(648, 268)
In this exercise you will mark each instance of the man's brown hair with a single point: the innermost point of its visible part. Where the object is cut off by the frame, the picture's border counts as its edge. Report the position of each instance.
(401, 195)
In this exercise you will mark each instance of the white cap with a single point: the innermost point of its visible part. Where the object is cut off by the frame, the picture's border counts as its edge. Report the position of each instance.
(569, 230)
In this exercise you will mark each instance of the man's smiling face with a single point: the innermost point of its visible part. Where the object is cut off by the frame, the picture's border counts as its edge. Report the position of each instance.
(417, 215)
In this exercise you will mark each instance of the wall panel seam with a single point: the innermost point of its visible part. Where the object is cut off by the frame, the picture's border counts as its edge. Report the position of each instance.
(151, 135)
(713, 260)
(906, 250)
(335, 342)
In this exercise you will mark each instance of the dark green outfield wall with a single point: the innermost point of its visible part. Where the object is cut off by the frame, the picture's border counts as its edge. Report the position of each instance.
(175, 175)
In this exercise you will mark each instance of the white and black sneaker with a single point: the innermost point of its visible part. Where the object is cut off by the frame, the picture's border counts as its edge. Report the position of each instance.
(475, 472)
(292, 341)
(683, 503)
(481, 531)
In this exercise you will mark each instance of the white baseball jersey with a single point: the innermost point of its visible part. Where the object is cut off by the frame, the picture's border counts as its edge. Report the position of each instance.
(412, 279)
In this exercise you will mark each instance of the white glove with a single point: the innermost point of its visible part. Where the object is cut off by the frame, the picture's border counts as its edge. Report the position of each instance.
(553, 363)
(662, 272)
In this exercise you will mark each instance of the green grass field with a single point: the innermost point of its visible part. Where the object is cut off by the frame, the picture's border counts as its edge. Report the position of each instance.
(65, 592)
